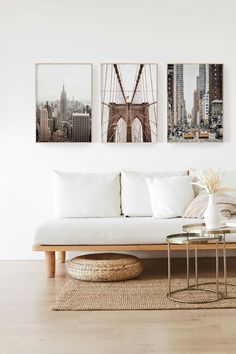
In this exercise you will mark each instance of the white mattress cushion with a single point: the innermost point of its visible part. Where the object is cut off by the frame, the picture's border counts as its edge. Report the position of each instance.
(170, 196)
(135, 199)
(110, 231)
(87, 194)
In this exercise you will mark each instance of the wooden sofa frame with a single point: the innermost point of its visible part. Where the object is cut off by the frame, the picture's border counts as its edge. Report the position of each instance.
(51, 250)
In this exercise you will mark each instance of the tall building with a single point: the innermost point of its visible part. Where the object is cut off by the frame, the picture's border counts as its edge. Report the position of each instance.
(181, 80)
(215, 82)
(170, 89)
(202, 80)
(217, 112)
(179, 103)
(63, 104)
(196, 103)
(176, 95)
(215, 91)
(51, 124)
(195, 109)
(43, 125)
(207, 79)
(81, 127)
(205, 109)
(49, 109)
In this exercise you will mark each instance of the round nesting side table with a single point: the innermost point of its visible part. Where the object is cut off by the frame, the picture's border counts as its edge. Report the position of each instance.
(193, 239)
(201, 230)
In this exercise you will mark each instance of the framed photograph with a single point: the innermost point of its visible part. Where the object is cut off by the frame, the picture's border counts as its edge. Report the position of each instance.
(129, 103)
(195, 102)
(63, 102)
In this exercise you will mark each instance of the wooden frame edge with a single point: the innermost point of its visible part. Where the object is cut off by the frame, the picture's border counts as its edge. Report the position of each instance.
(131, 247)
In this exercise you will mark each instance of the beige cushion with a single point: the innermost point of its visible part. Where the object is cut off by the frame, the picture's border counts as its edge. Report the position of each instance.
(198, 205)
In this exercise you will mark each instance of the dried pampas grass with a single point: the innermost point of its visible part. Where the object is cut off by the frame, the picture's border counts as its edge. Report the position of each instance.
(209, 180)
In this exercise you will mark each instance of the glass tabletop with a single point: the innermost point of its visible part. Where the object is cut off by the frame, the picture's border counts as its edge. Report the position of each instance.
(200, 229)
(193, 238)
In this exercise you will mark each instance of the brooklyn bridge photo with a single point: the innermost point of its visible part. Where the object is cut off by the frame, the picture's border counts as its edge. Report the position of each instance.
(129, 103)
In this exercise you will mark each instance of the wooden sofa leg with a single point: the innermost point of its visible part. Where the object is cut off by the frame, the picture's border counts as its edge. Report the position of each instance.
(61, 256)
(50, 263)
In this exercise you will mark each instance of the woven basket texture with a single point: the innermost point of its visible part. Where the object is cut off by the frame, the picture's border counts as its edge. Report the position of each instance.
(105, 267)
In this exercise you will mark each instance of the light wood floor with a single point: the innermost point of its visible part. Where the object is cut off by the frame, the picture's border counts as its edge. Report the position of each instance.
(27, 325)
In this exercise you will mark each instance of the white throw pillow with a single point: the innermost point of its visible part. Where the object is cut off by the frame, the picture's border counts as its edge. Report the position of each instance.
(134, 191)
(170, 196)
(87, 195)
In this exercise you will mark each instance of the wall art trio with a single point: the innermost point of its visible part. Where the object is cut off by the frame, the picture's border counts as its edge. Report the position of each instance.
(129, 102)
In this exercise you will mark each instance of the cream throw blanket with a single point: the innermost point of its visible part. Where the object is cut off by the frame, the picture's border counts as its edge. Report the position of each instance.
(198, 205)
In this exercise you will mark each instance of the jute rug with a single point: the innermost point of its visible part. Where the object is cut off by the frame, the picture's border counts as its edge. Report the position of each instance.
(139, 294)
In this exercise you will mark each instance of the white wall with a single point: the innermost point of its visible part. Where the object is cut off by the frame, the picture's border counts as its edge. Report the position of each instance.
(98, 31)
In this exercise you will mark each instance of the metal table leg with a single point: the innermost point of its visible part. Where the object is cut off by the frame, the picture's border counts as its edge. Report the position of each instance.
(196, 266)
(217, 272)
(196, 287)
(187, 256)
(169, 270)
(225, 265)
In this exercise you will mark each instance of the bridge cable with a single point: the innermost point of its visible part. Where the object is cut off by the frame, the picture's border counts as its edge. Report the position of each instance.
(119, 80)
(153, 93)
(137, 81)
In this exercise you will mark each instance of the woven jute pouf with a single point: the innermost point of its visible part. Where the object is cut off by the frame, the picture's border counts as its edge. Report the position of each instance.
(105, 267)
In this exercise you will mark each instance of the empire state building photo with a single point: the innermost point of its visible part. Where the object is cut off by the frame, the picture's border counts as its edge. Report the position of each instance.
(63, 103)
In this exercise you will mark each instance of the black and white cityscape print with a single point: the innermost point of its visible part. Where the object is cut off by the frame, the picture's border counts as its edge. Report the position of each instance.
(63, 102)
(195, 102)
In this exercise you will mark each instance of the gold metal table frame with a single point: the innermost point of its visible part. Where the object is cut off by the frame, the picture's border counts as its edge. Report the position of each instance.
(201, 230)
(194, 239)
